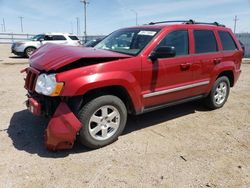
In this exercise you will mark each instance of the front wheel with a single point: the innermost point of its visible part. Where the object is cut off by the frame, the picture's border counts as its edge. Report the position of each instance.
(29, 51)
(103, 120)
(219, 93)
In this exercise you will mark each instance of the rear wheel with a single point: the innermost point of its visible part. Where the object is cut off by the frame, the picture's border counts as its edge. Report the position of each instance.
(103, 120)
(29, 51)
(219, 93)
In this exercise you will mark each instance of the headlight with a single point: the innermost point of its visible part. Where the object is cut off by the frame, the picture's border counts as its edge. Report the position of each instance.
(47, 85)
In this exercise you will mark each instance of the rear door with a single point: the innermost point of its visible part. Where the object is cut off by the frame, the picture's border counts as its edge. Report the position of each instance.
(206, 57)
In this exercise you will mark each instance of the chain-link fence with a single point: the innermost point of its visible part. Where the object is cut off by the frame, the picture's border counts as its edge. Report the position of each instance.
(13, 37)
(7, 38)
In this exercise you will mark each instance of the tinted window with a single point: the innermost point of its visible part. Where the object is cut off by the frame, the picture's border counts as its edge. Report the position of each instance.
(37, 37)
(178, 39)
(58, 37)
(73, 37)
(205, 41)
(227, 41)
(48, 37)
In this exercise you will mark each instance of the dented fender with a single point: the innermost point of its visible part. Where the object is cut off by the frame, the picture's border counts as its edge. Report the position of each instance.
(82, 80)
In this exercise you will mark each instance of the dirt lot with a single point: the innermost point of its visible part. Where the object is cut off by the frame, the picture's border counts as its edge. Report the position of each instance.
(7, 57)
(181, 146)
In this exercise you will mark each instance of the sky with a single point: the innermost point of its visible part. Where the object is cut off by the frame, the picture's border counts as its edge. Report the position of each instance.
(105, 16)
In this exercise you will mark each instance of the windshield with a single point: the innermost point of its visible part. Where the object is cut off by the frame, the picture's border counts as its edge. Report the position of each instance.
(128, 41)
(37, 37)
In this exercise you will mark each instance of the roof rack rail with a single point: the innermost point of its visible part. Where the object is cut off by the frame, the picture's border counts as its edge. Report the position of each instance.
(187, 22)
(213, 23)
(173, 21)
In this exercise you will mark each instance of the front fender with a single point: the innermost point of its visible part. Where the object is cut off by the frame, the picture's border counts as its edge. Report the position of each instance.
(80, 85)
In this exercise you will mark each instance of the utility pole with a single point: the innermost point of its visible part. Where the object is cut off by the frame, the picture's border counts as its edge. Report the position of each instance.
(21, 21)
(136, 16)
(235, 23)
(77, 26)
(72, 29)
(85, 3)
(4, 28)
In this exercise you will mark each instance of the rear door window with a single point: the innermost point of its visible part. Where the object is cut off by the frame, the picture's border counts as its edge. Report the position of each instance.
(48, 37)
(205, 41)
(227, 41)
(58, 37)
(177, 39)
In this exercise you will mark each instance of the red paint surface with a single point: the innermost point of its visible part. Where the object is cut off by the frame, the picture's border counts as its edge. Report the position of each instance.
(53, 56)
(138, 75)
(62, 129)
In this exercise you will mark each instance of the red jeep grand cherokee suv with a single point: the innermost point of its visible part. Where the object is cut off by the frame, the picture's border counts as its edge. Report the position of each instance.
(90, 91)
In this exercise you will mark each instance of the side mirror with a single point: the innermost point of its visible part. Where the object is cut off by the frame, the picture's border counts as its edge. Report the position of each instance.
(163, 52)
(41, 40)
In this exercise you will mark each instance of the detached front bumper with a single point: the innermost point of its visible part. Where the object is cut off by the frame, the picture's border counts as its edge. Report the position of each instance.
(62, 128)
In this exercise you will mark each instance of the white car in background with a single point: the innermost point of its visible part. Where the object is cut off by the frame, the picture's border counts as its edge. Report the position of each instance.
(26, 48)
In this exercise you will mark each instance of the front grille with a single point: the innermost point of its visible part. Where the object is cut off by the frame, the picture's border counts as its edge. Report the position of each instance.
(31, 78)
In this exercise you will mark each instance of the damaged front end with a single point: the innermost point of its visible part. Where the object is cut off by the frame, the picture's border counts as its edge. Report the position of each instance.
(51, 96)
(63, 125)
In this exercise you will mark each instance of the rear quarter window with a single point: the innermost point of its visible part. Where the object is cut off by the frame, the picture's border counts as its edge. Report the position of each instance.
(73, 37)
(205, 41)
(227, 41)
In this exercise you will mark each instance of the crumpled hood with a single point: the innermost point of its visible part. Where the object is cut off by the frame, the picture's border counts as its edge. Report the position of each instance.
(54, 56)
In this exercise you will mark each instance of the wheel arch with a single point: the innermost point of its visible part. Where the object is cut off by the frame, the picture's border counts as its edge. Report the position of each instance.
(229, 74)
(27, 48)
(116, 90)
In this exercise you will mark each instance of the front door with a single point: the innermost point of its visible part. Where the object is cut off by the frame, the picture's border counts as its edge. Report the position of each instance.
(168, 79)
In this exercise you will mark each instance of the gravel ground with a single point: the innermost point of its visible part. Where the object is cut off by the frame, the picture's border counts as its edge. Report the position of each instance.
(180, 146)
(7, 57)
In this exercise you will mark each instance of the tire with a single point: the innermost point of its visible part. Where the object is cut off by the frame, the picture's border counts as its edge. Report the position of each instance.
(103, 120)
(29, 51)
(219, 93)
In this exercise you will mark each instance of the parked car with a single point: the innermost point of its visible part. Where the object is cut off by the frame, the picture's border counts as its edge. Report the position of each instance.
(26, 48)
(93, 42)
(90, 91)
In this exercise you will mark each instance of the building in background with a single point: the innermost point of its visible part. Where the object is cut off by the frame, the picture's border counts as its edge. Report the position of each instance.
(245, 39)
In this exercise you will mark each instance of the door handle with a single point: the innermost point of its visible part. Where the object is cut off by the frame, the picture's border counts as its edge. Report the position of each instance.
(185, 66)
(217, 61)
